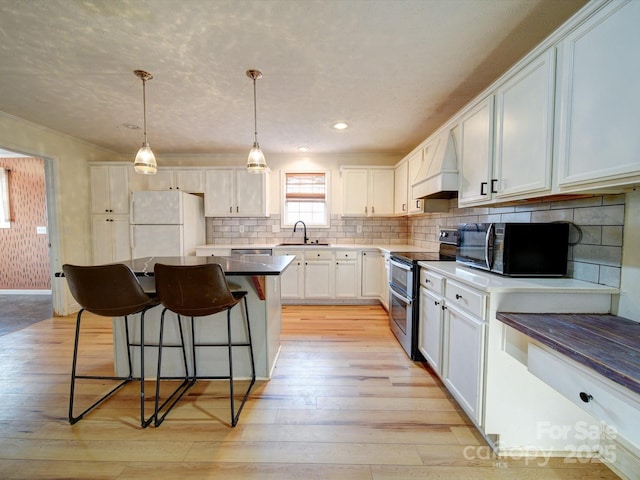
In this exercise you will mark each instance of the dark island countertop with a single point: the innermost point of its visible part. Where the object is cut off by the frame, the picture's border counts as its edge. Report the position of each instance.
(608, 344)
(247, 265)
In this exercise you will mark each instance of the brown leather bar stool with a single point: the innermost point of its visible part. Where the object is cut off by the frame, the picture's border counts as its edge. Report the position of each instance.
(198, 291)
(110, 291)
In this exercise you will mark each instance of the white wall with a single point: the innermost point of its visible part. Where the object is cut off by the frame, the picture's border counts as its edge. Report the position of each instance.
(67, 188)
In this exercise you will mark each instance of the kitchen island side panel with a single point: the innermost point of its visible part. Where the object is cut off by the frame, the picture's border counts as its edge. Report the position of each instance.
(265, 320)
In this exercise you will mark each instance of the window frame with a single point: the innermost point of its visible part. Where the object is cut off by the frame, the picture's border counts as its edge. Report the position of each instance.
(5, 198)
(283, 197)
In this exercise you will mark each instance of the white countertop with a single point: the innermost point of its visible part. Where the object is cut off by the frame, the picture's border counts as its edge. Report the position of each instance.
(341, 246)
(491, 282)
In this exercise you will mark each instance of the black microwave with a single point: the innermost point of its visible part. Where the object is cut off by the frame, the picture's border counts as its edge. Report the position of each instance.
(515, 249)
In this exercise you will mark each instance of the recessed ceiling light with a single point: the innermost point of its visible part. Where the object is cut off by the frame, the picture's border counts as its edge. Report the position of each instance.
(302, 148)
(131, 126)
(340, 126)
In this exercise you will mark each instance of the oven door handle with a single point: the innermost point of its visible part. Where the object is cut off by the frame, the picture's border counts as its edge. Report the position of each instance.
(400, 265)
(406, 300)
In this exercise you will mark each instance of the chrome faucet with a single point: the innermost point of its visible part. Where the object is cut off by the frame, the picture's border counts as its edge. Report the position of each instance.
(306, 239)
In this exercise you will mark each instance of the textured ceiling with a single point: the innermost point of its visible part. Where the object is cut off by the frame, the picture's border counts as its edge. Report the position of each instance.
(393, 69)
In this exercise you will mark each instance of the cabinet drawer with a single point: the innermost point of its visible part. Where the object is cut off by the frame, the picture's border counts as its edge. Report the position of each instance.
(346, 255)
(464, 297)
(432, 281)
(318, 255)
(608, 402)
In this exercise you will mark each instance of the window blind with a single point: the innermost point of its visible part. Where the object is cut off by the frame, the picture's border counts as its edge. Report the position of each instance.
(305, 187)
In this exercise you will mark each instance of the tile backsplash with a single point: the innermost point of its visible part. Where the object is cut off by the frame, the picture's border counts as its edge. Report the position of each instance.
(596, 234)
(597, 231)
(343, 230)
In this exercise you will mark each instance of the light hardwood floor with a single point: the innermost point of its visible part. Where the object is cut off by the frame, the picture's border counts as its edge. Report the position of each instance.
(344, 403)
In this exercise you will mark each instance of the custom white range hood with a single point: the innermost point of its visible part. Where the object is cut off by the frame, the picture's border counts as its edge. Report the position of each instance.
(438, 175)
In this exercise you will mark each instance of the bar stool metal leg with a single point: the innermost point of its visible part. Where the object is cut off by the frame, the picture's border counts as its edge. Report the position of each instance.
(187, 381)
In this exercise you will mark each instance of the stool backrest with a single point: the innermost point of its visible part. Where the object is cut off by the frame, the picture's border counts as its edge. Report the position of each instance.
(193, 290)
(107, 290)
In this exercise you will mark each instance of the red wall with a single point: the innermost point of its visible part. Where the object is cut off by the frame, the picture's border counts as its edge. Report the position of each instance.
(24, 255)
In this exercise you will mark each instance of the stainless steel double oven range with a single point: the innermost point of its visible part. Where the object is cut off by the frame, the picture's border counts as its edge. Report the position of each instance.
(404, 281)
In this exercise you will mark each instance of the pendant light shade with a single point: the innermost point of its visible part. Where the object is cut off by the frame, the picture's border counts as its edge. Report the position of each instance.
(256, 162)
(145, 161)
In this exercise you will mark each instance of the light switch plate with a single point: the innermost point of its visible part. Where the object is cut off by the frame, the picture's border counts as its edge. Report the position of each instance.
(41, 230)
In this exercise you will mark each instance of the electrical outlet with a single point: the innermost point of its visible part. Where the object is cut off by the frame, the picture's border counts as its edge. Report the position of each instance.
(275, 228)
(241, 228)
(359, 228)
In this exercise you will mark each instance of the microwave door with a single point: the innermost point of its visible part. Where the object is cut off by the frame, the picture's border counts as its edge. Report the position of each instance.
(474, 248)
(489, 247)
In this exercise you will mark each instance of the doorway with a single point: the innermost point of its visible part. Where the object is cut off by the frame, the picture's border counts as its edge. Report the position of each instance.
(27, 288)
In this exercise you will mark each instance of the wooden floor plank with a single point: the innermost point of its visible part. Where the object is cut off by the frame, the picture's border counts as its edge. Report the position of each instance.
(345, 402)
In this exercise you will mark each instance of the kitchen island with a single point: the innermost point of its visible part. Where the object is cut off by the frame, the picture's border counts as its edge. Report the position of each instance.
(259, 276)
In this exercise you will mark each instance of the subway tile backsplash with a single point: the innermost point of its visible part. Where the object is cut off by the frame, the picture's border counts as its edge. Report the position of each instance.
(597, 232)
(598, 225)
(349, 230)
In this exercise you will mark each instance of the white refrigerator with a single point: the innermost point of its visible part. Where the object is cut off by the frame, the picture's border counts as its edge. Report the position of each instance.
(166, 223)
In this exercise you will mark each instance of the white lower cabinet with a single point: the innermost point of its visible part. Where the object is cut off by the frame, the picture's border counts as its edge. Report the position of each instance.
(372, 271)
(319, 274)
(339, 274)
(452, 337)
(110, 238)
(292, 280)
(431, 328)
(463, 362)
(347, 274)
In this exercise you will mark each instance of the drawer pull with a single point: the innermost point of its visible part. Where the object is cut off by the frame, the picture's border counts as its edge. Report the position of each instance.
(458, 296)
(586, 397)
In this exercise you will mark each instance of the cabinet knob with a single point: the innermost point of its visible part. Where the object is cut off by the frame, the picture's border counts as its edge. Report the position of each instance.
(426, 280)
(436, 302)
(458, 296)
(586, 397)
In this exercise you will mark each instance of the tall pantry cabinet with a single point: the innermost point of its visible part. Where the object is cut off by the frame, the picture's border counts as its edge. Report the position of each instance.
(110, 212)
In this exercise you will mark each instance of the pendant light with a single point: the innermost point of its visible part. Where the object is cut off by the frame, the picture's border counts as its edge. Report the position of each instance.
(145, 161)
(256, 162)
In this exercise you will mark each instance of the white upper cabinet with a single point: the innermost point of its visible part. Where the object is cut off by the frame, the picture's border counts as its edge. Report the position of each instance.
(524, 131)
(190, 180)
(109, 189)
(235, 193)
(598, 100)
(415, 166)
(476, 153)
(367, 191)
(401, 190)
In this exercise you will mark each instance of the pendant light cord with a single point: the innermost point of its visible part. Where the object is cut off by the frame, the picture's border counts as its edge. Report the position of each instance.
(144, 108)
(255, 113)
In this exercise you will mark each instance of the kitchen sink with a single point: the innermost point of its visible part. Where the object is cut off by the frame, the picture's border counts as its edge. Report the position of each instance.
(298, 244)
